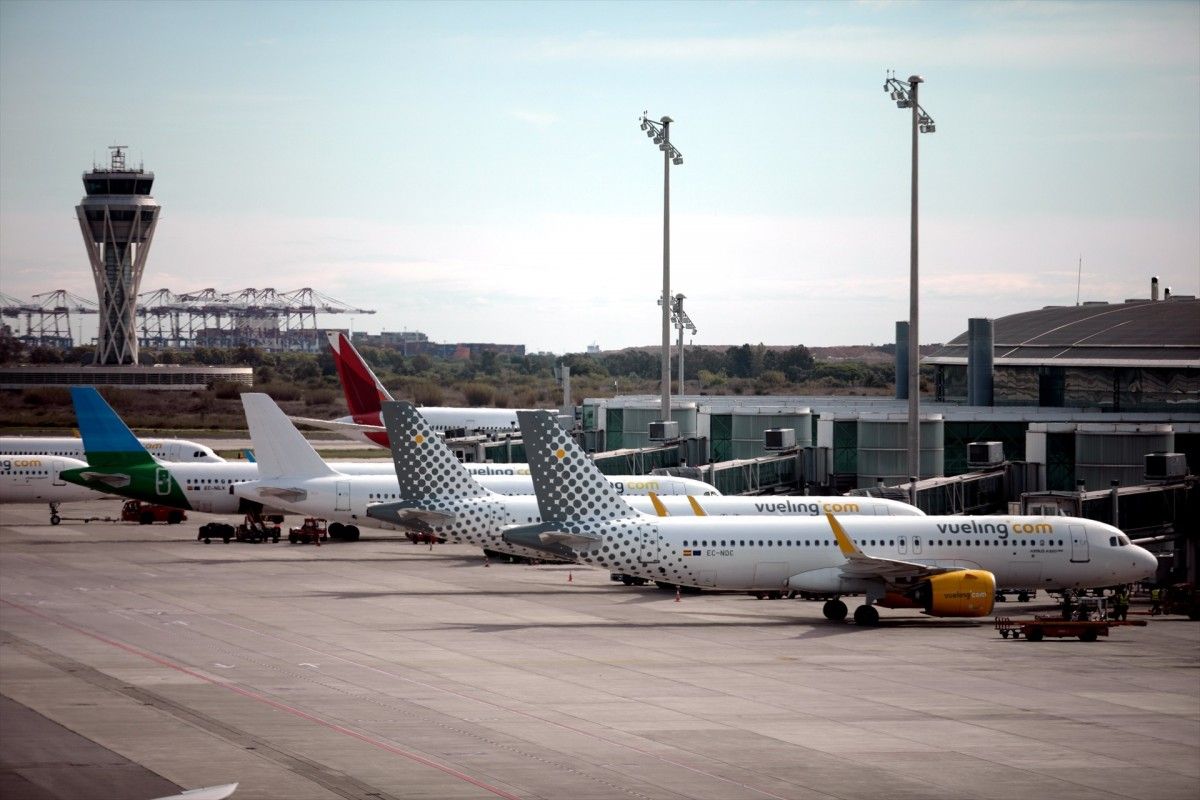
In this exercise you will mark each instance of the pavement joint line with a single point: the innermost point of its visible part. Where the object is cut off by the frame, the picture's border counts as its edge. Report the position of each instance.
(574, 729)
(428, 716)
(264, 700)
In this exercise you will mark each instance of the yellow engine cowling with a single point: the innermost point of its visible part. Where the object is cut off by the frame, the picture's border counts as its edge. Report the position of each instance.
(963, 593)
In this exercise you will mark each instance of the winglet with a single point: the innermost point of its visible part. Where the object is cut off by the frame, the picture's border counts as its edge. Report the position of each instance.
(364, 393)
(279, 448)
(696, 508)
(848, 547)
(659, 508)
(107, 440)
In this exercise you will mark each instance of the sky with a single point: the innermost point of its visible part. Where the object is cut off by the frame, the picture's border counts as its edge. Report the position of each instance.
(476, 171)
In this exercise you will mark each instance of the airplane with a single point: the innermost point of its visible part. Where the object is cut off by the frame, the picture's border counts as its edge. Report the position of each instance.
(944, 566)
(364, 394)
(433, 494)
(294, 476)
(38, 479)
(178, 450)
(118, 464)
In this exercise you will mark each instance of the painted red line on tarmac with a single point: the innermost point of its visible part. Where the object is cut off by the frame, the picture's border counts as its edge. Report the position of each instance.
(492, 704)
(272, 703)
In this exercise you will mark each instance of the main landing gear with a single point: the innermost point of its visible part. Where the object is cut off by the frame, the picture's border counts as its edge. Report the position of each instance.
(865, 615)
(834, 610)
(54, 517)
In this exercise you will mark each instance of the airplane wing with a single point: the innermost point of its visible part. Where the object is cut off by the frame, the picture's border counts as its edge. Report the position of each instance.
(546, 536)
(116, 480)
(860, 565)
(410, 516)
(344, 428)
(287, 495)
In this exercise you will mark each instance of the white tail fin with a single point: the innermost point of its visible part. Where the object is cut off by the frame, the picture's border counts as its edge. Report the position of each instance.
(425, 467)
(570, 487)
(281, 450)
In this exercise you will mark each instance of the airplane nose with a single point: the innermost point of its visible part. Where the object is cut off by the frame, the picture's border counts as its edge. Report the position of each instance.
(1148, 563)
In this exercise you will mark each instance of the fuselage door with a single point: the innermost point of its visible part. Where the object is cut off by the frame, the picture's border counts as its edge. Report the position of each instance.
(1079, 544)
(342, 501)
(647, 544)
(56, 469)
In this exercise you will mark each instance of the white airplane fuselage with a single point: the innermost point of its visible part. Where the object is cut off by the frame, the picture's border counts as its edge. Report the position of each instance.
(774, 554)
(172, 450)
(35, 479)
(480, 521)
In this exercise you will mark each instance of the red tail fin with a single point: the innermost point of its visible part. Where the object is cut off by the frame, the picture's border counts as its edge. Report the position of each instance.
(363, 391)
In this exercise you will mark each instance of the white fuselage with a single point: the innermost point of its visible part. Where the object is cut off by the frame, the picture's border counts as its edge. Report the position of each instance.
(209, 487)
(173, 450)
(480, 521)
(35, 479)
(773, 554)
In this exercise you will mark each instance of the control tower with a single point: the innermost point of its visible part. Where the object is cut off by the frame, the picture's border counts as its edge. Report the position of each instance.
(117, 217)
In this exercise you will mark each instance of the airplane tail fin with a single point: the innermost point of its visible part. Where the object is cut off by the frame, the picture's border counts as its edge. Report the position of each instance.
(425, 467)
(107, 440)
(279, 448)
(364, 393)
(570, 487)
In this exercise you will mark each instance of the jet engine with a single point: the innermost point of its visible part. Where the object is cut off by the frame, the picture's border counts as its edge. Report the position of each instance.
(962, 593)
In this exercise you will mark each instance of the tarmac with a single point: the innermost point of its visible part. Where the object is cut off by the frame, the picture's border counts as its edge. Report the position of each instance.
(136, 661)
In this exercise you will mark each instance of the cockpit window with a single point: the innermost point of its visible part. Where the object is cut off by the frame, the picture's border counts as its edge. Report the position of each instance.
(1112, 541)
(1124, 540)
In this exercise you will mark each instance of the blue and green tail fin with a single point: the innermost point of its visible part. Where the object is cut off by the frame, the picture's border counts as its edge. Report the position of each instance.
(107, 440)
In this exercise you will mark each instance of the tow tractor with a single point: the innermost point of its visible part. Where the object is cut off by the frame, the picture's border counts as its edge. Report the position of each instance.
(147, 513)
(312, 531)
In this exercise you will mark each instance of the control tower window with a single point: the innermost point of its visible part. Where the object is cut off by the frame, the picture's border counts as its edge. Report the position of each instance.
(143, 186)
(121, 185)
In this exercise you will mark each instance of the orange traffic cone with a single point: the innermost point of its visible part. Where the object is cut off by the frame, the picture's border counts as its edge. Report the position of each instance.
(676, 594)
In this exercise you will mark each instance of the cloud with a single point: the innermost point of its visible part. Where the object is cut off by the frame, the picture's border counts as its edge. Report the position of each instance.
(561, 281)
(1026, 37)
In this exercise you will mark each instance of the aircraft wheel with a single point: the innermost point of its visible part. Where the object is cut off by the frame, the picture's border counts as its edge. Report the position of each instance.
(335, 530)
(1023, 597)
(866, 616)
(55, 519)
(1034, 635)
(350, 534)
(834, 610)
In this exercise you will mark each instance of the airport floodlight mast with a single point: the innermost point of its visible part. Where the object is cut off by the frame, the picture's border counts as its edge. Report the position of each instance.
(682, 322)
(660, 132)
(905, 96)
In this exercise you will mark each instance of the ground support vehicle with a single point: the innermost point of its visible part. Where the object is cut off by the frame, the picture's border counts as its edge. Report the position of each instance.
(254, 528)
(311, 532)
(1182, 598)
(1040, 627)
(147, 513)
(1023, 595)
(628, 580)
(216, 530)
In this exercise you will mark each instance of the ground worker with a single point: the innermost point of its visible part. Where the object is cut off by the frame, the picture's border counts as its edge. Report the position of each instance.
(1156, 601)
(1121, 604)
(1068, 608)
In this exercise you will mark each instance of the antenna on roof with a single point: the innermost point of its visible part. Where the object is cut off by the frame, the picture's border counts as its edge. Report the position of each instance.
(1079, 277)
